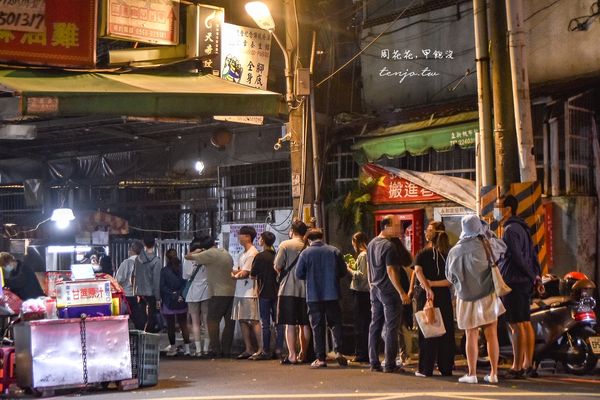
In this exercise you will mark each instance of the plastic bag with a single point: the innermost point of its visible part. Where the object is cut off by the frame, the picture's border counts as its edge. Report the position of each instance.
(434, 329)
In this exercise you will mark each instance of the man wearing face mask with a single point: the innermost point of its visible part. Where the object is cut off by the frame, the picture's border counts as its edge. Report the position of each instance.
(19, 278)
(521, 270)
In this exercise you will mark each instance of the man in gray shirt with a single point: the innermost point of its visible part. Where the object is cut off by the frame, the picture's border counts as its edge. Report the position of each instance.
(218, 263)
(124, 276)
(146, 282)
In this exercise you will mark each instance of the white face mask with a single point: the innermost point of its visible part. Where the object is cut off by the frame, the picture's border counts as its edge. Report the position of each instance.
(498, 214)
(9, 268)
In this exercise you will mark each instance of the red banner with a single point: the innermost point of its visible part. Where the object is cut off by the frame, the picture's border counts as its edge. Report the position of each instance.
(69, 39)
(393, 189)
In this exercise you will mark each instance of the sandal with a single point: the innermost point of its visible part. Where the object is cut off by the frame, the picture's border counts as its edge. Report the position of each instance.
(286, 361)
(244, 356)
(318, 364)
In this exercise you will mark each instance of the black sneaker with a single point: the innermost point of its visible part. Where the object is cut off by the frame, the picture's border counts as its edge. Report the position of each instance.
(376, 368)
(531, 373)
(512, 374)
(394, 369)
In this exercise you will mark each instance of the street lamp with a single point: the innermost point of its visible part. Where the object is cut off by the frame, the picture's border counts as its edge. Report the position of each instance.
(262, 17)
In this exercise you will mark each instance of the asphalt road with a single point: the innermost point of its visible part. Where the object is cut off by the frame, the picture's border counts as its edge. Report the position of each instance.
(195, 379)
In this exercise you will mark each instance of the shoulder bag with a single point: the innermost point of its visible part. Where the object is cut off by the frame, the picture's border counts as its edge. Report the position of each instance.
(500, 287)
(287, 270)
(188, 282)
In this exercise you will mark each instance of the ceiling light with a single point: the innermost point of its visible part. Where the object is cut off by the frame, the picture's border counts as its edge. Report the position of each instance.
(199, 166)
(62, 217)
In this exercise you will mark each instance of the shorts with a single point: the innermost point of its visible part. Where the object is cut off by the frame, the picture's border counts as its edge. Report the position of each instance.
(517, 306)
(245, 309)
(292, 311)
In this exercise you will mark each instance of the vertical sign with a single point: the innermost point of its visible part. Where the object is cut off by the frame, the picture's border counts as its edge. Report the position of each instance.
(155, 22)
(210, 23)
(245, 56)
(68, 40)
(23, 15)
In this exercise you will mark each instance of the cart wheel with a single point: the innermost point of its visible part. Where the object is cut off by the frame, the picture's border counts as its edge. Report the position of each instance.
(43, 392)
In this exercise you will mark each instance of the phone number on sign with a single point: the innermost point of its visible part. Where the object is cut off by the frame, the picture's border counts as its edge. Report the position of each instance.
(16, 20)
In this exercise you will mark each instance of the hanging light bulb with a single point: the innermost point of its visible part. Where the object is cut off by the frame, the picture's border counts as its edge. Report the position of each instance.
(62, 217)
(199, 166)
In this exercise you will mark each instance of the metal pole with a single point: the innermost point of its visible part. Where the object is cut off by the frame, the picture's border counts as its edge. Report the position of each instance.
(478, 172)
(484, 95)
(314, 137)
(520, 78)
(507, 161)
(554, 158)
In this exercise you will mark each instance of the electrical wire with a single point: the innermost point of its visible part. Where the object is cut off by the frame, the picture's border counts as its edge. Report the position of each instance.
(367, 46)
(27, 231)
(540, 10)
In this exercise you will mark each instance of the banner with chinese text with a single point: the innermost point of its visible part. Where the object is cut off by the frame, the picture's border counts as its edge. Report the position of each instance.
(155, 22)
(210, 23)
(394, 189)
(245, 56)
(69, 39)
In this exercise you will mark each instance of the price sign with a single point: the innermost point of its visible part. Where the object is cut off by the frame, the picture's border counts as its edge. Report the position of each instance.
(23, 15)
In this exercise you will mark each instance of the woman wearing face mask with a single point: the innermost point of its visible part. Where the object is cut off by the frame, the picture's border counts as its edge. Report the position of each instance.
(173, 305)
(430, 268)
(19, 278)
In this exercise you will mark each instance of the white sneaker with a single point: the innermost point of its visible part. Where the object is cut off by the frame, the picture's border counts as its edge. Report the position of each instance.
(420, 375)
(167, 349)
(172, 352)
(490, 378)
(186, 349)
(468, 379)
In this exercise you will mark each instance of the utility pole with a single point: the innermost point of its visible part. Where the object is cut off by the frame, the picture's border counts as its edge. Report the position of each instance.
(486, 143)
(300, 154)
(505, 139)
(520, 82)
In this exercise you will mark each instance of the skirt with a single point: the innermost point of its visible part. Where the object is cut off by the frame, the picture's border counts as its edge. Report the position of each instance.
(473, 314)
(245, 309)
(292, 311)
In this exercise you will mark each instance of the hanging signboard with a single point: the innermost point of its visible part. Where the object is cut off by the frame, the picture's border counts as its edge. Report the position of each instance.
(245, 56)
(23, 15)
(155, 22)
(66, 35)
(210, 21)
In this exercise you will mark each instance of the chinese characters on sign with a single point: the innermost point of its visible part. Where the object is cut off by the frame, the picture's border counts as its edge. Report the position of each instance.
(23, 15)
(68, 39)
(211, 20)
(399, 189)
(155, 22)
(83, 293)
(419, 71)
(463, 138)
(245, 56)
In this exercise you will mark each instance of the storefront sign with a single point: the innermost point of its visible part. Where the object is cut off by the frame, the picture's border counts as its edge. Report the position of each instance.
(210, 25)
(399, 190)
(155, 22)
(23, 15)
(245, 56)
(68, 40)
(83, 293)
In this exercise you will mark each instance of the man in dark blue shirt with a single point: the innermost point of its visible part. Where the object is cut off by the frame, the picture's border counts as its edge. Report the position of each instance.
(387, 294)
(322, 266)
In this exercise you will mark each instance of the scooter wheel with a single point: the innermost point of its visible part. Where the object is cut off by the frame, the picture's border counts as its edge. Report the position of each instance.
(581, 360)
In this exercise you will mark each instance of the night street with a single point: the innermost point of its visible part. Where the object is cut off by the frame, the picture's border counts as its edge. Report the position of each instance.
(232, 379)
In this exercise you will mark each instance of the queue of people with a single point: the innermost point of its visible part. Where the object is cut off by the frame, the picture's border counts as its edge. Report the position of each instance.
(295, 292)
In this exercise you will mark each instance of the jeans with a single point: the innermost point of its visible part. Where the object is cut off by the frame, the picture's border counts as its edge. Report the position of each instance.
(268, 313)
(219, 307)
(386, 314)
(322, 314)
(181, 320)
(362, 320)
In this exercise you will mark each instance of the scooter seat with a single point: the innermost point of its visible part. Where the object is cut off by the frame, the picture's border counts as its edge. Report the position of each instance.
(542, 304)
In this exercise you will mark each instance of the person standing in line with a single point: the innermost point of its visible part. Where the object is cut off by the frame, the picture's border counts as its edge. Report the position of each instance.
(218, 263)
(197, 299)
(430, 268)
(405, 273)
(173, 306)
(245, 302)
(291, 307)
(322, 266)
(521, 271)
(146, 283)
(266, 279)
(359, 287)
(387, 294)
(477, 306)
(124, 276)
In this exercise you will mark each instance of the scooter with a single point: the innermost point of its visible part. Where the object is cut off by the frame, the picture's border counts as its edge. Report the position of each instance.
(565, 326)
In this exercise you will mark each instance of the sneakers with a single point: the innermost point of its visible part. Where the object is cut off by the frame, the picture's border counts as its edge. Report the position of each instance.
(172, 352)
(186, 350)
(318, 364)
(531, 373)
(376, 368)
(341, 360)
(468, 379)
(420, 375)
(167, 348)
(490, 378)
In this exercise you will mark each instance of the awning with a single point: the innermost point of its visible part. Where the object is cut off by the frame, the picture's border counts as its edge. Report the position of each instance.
(459, 190)
(440, 138)
(49, 93)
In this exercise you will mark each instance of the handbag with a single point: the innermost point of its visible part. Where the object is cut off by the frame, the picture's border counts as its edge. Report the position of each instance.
(286, 271)
(430, 321)
(500, 287)
(188, 282)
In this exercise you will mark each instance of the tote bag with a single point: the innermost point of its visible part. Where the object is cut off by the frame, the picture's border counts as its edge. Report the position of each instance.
(500, 287)
(430, 321)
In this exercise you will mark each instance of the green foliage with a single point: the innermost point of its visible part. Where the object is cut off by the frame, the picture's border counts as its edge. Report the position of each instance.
(354, 206)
